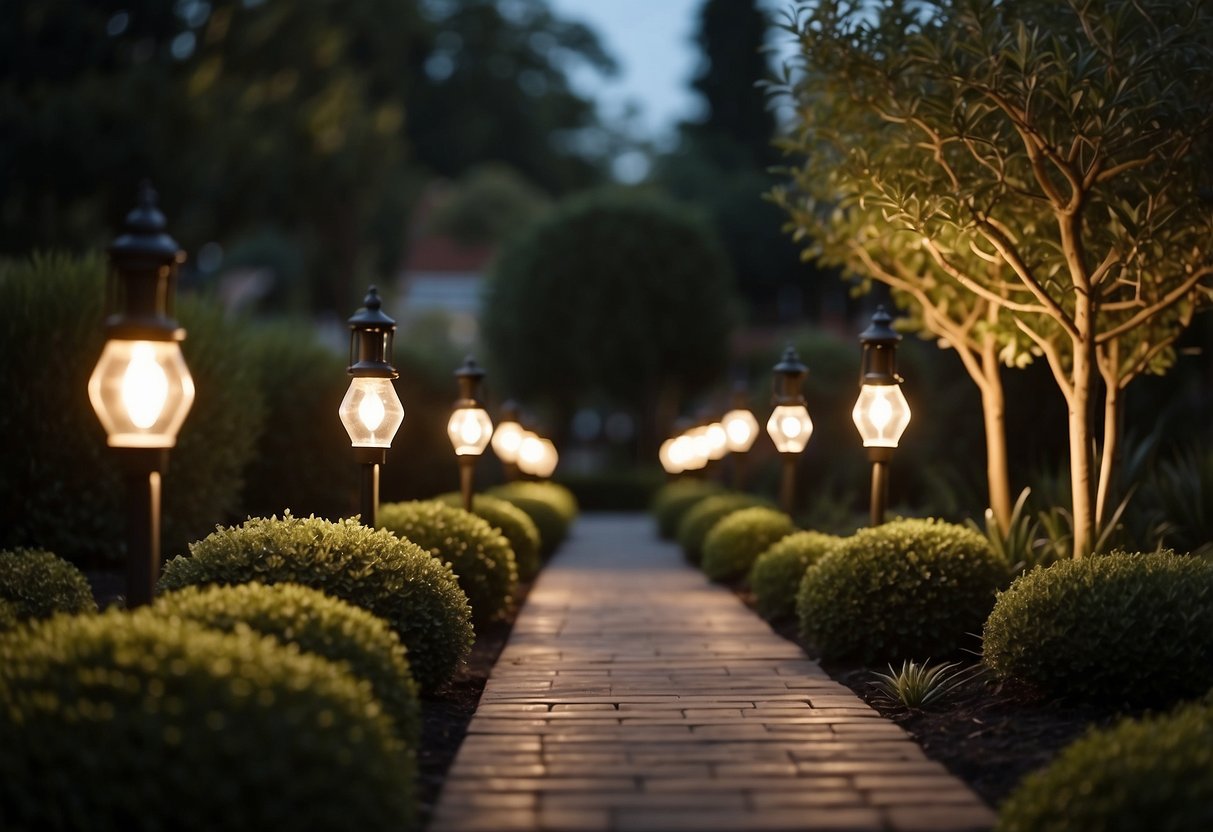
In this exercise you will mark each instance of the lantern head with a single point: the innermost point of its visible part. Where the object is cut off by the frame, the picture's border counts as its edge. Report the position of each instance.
(469, 428)
(371, 411)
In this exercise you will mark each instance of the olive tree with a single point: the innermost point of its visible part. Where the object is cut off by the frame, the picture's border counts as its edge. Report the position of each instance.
(1032, 167)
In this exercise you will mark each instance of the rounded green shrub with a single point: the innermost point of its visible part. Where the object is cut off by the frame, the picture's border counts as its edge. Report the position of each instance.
(57, 467)
(1154, 773)
(514, 523)
(699, 519)
(479, 555)
(8, 616)
(1134, 628)
(548, 518)
(776, 574)
(38, 584)
(675, 499)
(315, 623)
(910, 589)
(734, 543)
(146, 722)
(556, 495)
(373, 569)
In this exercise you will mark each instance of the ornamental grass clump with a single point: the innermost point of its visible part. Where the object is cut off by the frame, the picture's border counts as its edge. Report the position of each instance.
(907, 589)
(921, 685)
(733, 544)
(373, 569)
(675, 499)
(140, 721)
(695, 524)
(1135, 628)
(315, 623)
(514, 523)
(1153, 773)
(776, 574)
(37, 584)
(479, 555)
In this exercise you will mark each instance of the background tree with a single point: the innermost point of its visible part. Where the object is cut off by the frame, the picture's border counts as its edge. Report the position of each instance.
(1063, 145)
(614, 295)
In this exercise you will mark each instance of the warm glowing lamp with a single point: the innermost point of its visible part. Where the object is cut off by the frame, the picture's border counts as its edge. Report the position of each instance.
(469, 427)
(545, 466)
(665, 456)
(718, 440)
(371, 411)
(881, 413)
(507, 439)
(141, 388)
(789, 426)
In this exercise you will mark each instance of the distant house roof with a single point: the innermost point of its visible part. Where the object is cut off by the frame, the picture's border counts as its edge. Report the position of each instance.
(433, 255)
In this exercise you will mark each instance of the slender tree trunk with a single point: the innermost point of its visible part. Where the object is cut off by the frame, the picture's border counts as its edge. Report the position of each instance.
(1080, 420)
(993, 406)
(1109, 367)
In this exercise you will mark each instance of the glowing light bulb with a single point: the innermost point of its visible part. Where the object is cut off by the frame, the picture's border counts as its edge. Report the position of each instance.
(881, 412)
(144, 386)
(790, 427)
(371, 411)
(470, 431)
(739, 432)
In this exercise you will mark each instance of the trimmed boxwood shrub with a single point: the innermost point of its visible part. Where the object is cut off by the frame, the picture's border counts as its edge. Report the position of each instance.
(699, 519)
(373, 569)
(519, 529)
(734, 543)
(776, 574)
(57, 467)
(675, 499)
(38, 584)
(479, 555)
(548, 517)
(315, 623)
(553, 493)
(1154, 773)
(1134, 628)
(139, 721)
(910, 589)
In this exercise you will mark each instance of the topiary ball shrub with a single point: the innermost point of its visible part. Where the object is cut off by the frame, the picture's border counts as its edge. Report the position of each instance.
(315, 623)
(479, 555)
(139, 721)
(675, 499)
(776, 574)
(910, 589)
(1134, 628)
(548, 517)
(514, 523)
(38, 584)
(699, 519)
(1154, 773)
(734, 543)
(556, 495)
(394, 579)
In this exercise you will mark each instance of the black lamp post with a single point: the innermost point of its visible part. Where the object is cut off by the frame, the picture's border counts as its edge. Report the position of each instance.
(469, 428)
(507, 439)
(881, 412)
(789, 426)
(371, 411)
(141, 388)
(741, 428)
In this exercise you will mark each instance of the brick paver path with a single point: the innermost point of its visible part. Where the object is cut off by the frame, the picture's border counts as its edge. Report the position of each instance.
(635, 695)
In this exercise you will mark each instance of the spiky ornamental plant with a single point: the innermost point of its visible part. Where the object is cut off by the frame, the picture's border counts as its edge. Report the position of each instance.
(1026, 175)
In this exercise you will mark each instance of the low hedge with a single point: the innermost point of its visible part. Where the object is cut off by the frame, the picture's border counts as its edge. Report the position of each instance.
(776, 574)
(548, 516)
(675, 499)
(1134, 628)
(910, 589)
(514, 523)
(699, 519)
(8, 616)
(557, 495)
(1154, 773)
(38, 584)
(125, 721)
(734, 543)
(479, 555)
(315, 623)
(396, 580)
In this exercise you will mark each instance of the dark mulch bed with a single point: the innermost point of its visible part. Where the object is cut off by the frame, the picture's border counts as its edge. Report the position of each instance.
(988, 733)
(446, 714)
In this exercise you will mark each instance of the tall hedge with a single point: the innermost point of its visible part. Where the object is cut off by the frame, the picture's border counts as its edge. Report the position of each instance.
(60, 487)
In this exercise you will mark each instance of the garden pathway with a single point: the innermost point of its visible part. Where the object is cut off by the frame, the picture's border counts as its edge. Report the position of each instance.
(635, 695)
